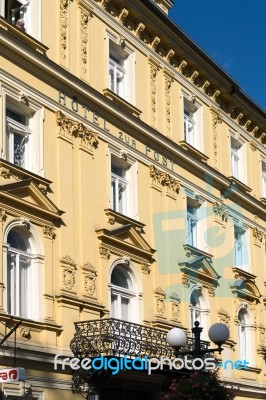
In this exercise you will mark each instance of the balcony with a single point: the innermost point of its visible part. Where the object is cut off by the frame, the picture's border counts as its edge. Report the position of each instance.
(114, 337)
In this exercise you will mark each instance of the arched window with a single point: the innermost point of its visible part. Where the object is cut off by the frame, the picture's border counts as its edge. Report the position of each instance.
(122, 293)
(195, 307)
(199, 309)
(23, 273)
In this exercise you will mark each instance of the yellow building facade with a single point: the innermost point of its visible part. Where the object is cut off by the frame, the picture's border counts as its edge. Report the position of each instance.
(133, 197)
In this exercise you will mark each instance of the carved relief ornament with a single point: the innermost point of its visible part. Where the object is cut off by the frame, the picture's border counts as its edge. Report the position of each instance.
(70, 129)
(90, 275)
(258, 236)
(162, 179)
(220, 212)
(160, 301)
(68, 273)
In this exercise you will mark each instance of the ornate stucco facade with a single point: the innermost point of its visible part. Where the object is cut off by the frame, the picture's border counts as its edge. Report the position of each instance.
(133, 187)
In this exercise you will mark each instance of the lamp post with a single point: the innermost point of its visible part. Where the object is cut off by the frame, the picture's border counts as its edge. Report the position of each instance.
(218, 334)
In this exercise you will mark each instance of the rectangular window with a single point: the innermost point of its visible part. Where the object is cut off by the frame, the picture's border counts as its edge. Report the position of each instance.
(123, 194)
(192, 119)
(192, 221)
(189, 127)
(235, 159)
(17, 137)
(119, 189)
(240, 251)
(120, 70)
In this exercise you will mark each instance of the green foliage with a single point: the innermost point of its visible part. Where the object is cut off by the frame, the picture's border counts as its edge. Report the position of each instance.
(198, 386)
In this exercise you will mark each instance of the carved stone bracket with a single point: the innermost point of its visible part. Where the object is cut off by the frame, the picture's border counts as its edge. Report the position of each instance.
(257, 236)
(70, 128)
(140, 28)
(3, 215)
(4, 172)
(49, 232)
(220, 212)
(162, 179)
(104, 252)
(145, 268)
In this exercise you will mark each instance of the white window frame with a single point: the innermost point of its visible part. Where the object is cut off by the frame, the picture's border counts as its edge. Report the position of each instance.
(192, 228)
(242, 247)
(31, 15)
(133, 294)
(34, 276)
(192, 121)
(124, 68)
(200, 312)
(118, 183)
(238, 158)
(33, 113)
(129, 180)
(245, 336)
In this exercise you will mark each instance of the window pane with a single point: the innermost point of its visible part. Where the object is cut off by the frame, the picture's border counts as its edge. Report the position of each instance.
(125, 309)
(114, 306)
(19, 150)
(24, 263)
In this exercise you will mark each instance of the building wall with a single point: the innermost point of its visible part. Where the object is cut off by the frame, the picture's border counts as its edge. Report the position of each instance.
(60, 201)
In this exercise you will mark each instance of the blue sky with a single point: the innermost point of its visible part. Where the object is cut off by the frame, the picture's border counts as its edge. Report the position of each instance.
(233, 33)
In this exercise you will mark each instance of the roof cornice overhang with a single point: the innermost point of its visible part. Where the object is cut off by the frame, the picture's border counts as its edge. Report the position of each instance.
(227, 80)
(51, 73)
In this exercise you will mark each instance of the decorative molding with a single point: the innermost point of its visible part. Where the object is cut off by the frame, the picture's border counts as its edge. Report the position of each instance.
(104, 252)
(162, 179)
(64, 19)
(160, 301)
(5, 173)
(49, 232)
(145, 268)
(140, 29)
(258, 237)
(70, 128)
(123, 15)
(224, 316)
(25, 222)
(168, 84)
(155, 42)
(3, 215)
(169, 55)
(220, 212)
(25, 333)
(182, 66)
(194, 76)
(153, 78)
(216, 120)
(43, 188)
(90, 275)
(68, 273)
(85, 17)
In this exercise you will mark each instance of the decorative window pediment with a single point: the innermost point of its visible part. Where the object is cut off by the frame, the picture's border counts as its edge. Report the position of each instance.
(126, 241)
(246, 289)
(31, 195)
(197, 268)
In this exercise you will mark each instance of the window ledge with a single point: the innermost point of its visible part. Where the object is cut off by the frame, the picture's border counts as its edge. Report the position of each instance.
(121, 102)
(240, 184)
(23, 36)
(116, 217)
(7, 170)
(192, 150)
(193, 251)
(241, 274)
(38, 326)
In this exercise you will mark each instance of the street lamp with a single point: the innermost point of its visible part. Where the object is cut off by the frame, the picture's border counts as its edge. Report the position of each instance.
(218, 334)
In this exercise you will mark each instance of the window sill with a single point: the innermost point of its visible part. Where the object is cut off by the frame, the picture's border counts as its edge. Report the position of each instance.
(193, 151)
(194, 251)
(116, 217)
(240, 184)
(23, 36)
(121, 102)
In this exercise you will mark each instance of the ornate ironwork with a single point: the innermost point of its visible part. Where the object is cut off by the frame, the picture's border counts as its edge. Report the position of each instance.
(111, 337)
(114, 337)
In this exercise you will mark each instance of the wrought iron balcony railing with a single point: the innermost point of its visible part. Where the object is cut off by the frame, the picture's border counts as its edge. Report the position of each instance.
(113, 337)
